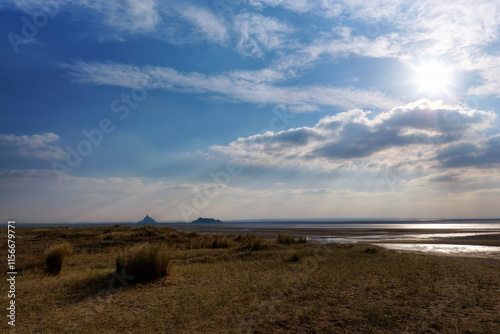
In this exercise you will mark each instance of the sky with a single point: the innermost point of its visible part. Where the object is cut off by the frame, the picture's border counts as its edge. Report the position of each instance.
(249, 109)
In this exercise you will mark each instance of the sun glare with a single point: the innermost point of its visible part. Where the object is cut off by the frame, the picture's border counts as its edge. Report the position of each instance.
(432, 78)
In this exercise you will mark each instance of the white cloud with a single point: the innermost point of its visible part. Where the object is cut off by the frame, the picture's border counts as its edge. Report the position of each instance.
(489, 69)
(321, 7)
(246, 86)
(343, 44)
(133, 16)
(37, 146)
(373, 10)
(259, 34)
(461, 31)
(144, 13)
(84, 199)
(428, 27)
(456, 27)
(423, 134)
(107, 74)
(448, 21)
(125, 16)
(206, 24)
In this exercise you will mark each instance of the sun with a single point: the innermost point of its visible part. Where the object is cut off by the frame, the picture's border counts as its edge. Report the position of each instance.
(432, 78)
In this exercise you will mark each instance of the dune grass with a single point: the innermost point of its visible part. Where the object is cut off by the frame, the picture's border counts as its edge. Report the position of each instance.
(144, 262)
(290, 240)
(252, 286)
(54, 257)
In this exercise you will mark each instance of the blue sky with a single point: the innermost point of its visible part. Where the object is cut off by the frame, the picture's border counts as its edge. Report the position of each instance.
(249, 109)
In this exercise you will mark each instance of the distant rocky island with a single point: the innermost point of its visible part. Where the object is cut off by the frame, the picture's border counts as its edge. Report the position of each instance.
(147, 220)
(206, 221)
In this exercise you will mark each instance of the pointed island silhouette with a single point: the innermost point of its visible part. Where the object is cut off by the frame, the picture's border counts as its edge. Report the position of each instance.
(206, 221)
(147, 220)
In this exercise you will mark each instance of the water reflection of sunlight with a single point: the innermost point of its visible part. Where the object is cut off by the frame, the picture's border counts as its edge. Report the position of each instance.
(464, 250)
(446, 226)
(403, 237)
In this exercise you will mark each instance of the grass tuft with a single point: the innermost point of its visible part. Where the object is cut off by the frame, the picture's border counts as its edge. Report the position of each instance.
(222, 243)
(54, 257)
(371, 250)
(293, 258)
(290, 240)
(144, 262)
(251, 242)
(146, 231)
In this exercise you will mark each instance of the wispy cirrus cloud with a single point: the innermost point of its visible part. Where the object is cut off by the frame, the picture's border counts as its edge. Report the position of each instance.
(37, 146)
(258, 34)
(176, 22)
(205, 23)
(456, 27)
(123, 16)
(430, 27)
(462, 32)
(342, 43)
(144, 12)
(489, 69)
(132, 16)
(260, 86)
(449, 23)
(324, 8)
(388, 29)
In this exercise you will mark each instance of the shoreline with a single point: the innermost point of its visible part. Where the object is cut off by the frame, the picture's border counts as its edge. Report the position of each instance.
(405, 237)
(466, 238)
(483, 238)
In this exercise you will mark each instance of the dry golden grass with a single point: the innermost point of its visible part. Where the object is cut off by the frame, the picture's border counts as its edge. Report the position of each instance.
(54, 257)
(290, 240)
(251, 286)
(144, 262)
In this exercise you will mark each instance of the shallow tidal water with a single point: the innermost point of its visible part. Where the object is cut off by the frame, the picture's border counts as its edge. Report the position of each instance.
(447, 249)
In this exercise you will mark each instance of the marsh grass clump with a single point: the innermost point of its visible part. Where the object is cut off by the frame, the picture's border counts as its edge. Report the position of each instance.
(223, 242)
(215, 241)
(371, 250)
(293, 258)
(256, 244)
(290, 240)
(144, 262)
(212, 241)
(196, 241)
(250, 242)
(54, 257)
(146, 231)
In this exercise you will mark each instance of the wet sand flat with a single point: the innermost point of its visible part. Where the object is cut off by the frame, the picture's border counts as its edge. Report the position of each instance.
(386, 235)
